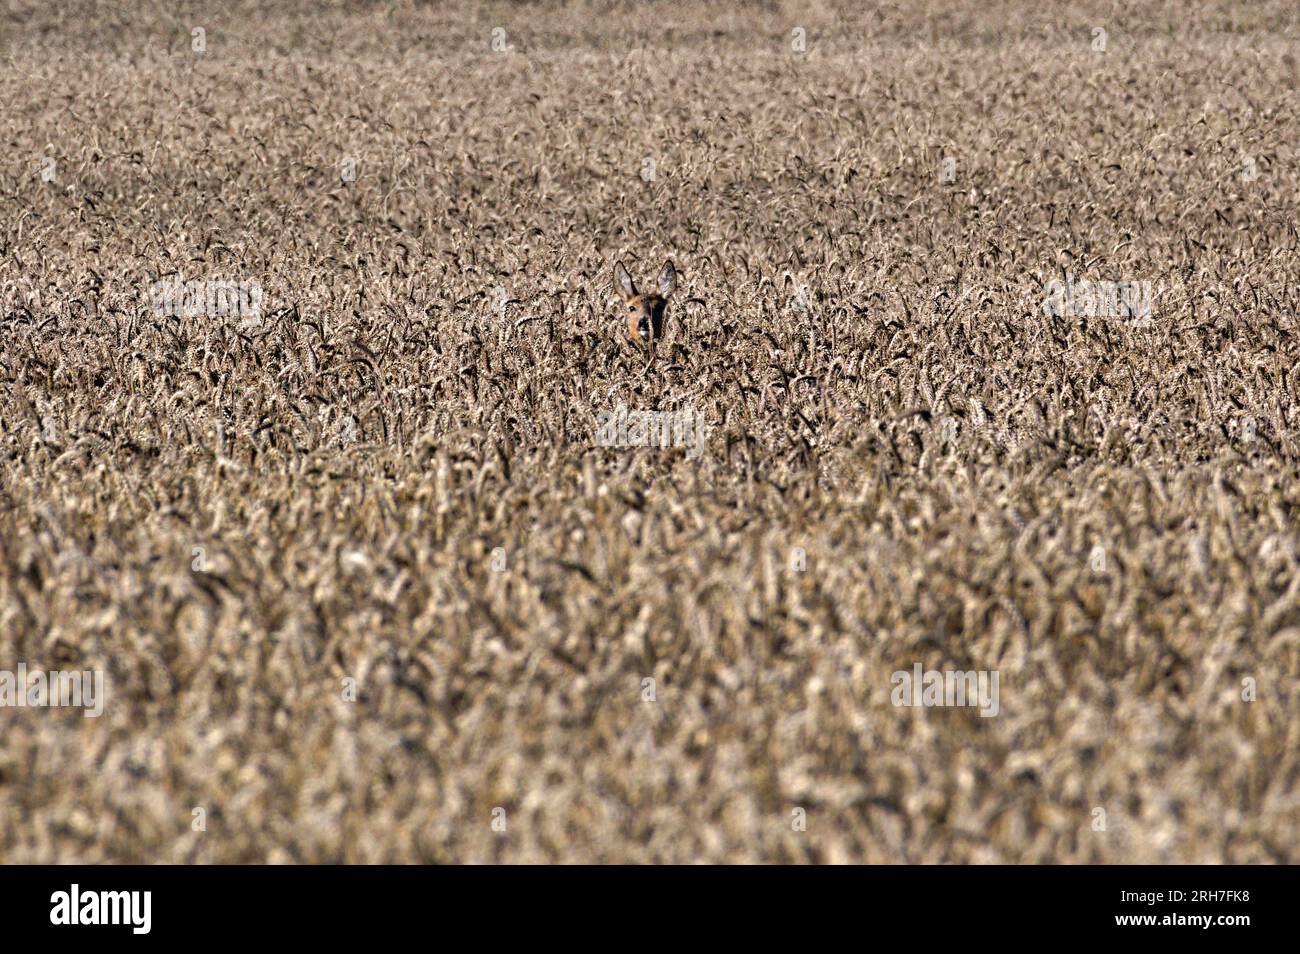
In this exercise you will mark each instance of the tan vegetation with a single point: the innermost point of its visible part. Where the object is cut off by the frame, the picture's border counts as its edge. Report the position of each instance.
(391, 484)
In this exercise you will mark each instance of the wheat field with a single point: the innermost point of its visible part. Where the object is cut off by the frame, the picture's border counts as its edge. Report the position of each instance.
(367, 582)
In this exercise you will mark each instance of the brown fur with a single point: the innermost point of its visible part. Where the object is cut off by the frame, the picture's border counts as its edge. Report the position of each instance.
(645, 313)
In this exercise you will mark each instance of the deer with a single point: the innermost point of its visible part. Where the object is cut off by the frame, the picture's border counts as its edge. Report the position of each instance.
(645, 313)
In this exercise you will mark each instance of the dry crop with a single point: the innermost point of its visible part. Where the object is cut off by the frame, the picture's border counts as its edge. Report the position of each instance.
(982, 357)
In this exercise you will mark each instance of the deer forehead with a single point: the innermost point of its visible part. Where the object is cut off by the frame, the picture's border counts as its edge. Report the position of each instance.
(646, 301)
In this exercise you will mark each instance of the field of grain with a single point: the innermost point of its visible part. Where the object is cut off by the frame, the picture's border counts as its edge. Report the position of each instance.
(363, 579)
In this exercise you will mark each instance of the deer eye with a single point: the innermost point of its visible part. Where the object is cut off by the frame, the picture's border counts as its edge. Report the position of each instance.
(631, 307)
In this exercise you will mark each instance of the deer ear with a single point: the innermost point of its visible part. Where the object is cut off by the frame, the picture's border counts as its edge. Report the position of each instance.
(667, 279)
(623, 281)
